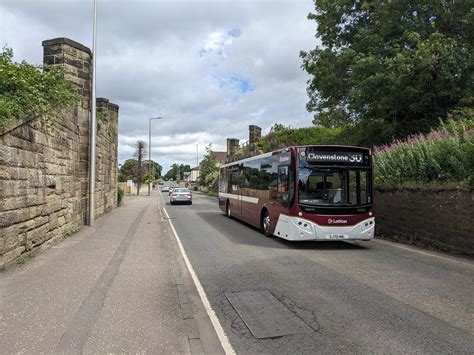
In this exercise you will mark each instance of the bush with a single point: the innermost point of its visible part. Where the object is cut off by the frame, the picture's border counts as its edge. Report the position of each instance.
(26, 92)
(442, 156)
(212, 180)
(120, 194)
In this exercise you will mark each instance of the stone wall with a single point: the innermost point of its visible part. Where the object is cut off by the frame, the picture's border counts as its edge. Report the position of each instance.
(44, 172)
(440, 220)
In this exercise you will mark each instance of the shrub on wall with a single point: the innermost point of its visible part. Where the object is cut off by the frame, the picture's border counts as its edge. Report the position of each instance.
(442, 156)
(282, 136)
(120, 194)
(27, 91)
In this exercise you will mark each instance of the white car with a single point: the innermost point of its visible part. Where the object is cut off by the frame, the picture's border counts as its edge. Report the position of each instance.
(165, 188)
(181, 194)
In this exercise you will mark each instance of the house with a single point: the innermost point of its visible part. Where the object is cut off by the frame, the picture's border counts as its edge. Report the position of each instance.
(195, 173)
(221, 157)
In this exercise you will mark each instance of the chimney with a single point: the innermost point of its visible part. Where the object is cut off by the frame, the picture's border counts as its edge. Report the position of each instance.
(255, 133)
(232, 146)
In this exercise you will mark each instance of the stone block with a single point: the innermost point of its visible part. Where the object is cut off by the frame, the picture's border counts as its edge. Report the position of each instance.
(53, 221)
(10, 238)
(61, 221)
(12, 203)
(37, 236)
(8, 218)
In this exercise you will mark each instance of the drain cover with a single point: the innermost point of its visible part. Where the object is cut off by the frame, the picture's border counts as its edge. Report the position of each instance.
(265, 316)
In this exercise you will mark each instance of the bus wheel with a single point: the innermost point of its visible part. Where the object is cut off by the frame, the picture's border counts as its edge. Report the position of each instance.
(227, 210)
(265, 224)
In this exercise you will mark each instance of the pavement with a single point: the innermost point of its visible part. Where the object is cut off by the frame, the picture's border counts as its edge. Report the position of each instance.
(120, 286)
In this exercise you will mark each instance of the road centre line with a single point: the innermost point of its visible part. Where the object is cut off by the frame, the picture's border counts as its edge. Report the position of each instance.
(421, 252)
(202, 294)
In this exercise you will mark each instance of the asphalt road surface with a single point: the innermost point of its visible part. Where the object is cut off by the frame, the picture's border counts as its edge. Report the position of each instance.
(368, 297)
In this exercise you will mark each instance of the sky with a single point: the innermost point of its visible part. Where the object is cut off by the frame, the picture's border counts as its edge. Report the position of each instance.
(210, 68)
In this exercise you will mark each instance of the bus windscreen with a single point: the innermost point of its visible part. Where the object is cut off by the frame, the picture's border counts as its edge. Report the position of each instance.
(334, 187)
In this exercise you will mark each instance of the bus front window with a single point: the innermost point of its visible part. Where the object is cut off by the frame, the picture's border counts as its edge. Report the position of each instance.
(333, 187)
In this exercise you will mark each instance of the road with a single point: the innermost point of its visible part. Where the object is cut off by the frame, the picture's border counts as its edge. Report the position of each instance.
(368, 297)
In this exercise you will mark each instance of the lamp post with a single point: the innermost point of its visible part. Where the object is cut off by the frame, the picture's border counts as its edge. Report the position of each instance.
(149, 141)
(93, 125)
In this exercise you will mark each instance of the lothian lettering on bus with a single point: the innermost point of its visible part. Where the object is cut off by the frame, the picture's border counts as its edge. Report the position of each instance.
(337, 221)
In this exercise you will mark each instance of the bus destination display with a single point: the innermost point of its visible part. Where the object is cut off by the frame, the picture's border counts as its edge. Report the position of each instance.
(336, 157)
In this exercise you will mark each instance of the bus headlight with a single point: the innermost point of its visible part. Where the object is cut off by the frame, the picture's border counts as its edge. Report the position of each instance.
(366, 225)
(304, 225)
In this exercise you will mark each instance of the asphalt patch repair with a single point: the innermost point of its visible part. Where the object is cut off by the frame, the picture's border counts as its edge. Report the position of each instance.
(265, 316)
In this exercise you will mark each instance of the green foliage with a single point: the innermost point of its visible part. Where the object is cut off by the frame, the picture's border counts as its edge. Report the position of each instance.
(443, 156)
(26, 91)
(25, 257)
(177, 170)
(401, 64)
(128, 170)
(281, 136)
(120, 194)
(156, 168)
(70, 233)
(148, 178)
(212, 180)
(209, 175)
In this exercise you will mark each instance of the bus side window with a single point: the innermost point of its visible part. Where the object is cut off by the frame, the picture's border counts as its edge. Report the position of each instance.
(283, 185)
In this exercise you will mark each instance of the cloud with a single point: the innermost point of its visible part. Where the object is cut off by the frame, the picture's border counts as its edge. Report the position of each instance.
(210, 68)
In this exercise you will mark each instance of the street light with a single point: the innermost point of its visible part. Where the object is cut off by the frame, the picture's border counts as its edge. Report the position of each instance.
(93, 124)
(149, 141)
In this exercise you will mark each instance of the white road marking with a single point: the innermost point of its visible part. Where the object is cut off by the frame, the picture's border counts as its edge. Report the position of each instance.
(210, 312)
(421, 252)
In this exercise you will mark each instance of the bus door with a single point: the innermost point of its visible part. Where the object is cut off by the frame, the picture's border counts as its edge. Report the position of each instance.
(282, 199)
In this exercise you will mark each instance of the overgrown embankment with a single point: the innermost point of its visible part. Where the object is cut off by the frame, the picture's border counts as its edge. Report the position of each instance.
(443, 158)
(425, 188)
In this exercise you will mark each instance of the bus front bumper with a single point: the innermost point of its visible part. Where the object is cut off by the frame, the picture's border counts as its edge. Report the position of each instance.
(294, 228)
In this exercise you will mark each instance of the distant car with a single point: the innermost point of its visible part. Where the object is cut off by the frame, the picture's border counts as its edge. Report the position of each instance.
(165, 188)
(181, 194)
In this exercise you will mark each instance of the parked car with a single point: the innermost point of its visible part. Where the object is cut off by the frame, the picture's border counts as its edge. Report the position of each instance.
(165, 188)
(181, 194)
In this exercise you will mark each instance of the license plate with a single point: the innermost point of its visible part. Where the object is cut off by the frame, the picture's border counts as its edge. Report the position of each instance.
(337, 236)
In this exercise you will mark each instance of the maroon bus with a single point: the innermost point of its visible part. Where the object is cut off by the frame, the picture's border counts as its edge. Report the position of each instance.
(303, 193)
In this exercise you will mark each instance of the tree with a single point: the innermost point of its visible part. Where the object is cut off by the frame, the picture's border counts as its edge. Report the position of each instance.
(182, 169)
(176, 172)
(139, 154)
(148, 179)
(156, 168)
(27, 91)
(128, 170)
(395, 66)
(209, 171)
